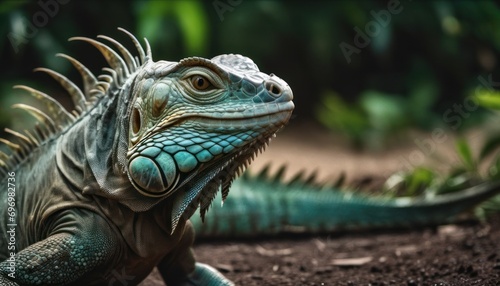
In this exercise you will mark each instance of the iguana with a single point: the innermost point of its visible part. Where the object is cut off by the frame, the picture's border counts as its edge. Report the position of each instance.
(109, 188)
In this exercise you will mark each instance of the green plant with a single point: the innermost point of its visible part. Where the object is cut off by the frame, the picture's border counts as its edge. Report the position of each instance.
(369, 121)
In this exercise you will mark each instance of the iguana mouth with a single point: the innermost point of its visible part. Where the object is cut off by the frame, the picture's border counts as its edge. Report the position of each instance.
(242, 118)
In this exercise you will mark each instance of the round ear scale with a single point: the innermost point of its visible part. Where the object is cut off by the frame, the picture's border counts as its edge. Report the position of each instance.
(153, 173)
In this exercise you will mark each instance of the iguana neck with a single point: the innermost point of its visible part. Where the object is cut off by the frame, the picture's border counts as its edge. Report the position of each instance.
(96, 165)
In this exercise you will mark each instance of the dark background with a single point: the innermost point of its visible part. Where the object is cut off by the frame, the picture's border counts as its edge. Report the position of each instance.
(412, 61)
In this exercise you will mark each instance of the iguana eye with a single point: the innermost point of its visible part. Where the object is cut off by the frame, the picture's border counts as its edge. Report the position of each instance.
(200, 82)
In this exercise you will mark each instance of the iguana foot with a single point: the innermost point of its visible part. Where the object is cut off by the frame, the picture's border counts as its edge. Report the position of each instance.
(206, 275)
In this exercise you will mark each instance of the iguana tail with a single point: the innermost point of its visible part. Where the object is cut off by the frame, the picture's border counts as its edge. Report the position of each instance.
(258, 206)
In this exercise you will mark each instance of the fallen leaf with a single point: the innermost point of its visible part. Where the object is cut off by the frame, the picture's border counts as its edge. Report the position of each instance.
(352, 261)
(278, 252)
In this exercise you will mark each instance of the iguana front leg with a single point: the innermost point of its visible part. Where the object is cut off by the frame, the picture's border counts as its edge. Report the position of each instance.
(81, 242)
(179, 267)
(207, 276)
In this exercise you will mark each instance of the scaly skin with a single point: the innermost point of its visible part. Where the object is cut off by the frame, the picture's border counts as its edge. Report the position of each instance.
(262, 205)
(103, 195)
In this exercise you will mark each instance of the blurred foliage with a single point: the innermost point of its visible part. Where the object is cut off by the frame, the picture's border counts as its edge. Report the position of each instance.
(489, 99)
(158, 19)
(341, 116)
(374, 116)
(421, 59)
(474, 169)
(424, 181)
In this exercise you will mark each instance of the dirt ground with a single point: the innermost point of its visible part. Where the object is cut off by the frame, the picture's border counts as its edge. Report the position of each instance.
(460, 254)
(464, 254)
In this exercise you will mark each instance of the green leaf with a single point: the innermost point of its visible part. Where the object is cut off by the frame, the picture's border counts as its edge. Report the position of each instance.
(385, 112)
(494, 170)
(337, 115)
(487, 208)
(411, 184)
(190, 17)
(465, 154)
(491, 145)
(194, 23)
(419, 180)
(456, 183)
(488, 99)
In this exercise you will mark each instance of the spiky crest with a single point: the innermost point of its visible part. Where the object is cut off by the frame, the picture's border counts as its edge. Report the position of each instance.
(300, 178)
(51, 123)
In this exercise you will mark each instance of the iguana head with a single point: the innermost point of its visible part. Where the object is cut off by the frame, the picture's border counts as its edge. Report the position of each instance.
(196, 124)
(144, 132)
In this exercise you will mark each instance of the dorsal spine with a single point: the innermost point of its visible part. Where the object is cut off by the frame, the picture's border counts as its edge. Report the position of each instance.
(53, 122)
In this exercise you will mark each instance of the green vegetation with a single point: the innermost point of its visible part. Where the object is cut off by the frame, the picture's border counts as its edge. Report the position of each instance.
(474, 168)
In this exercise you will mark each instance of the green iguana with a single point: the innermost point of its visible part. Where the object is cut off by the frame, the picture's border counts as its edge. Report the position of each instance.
(109, 187)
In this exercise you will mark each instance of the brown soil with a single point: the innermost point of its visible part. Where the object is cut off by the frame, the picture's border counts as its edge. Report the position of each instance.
(460, 254)
(448, 255)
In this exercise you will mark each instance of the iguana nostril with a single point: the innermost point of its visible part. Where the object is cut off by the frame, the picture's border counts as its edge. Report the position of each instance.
(273, 88)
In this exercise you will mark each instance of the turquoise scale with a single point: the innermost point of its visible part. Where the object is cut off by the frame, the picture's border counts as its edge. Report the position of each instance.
(204, 156)
(185, 161)
(153, 170)
(146, 175)
(215, 150)
(173, 149)
(194, 149)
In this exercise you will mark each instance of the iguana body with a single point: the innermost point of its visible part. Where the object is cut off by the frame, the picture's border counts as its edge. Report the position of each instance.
(105, 192)
(102, 195)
